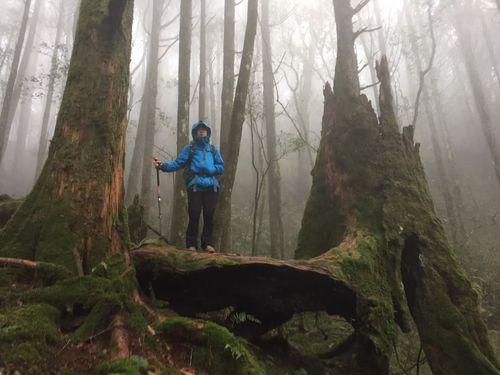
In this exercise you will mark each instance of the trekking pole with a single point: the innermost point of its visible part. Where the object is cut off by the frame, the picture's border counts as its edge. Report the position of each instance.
(158, 192)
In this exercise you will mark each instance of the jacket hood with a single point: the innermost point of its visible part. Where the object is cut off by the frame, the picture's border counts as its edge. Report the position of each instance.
(195, 127)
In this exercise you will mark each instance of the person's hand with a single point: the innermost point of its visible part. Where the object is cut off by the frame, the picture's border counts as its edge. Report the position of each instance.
(157, 163)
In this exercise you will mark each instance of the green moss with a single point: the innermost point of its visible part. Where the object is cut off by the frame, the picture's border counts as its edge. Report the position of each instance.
(215, 349)
(28, 336)
(130, 366)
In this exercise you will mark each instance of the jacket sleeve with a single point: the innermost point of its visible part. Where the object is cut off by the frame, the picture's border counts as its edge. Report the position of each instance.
(179, 163)
(218, 162)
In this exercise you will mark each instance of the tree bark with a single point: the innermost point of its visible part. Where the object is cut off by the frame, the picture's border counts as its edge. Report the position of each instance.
(481, 103)
(9, 91)
(223, 212)
(54, 63)
(202, 115)
(274, 180)
(179, 213)
(74, 215)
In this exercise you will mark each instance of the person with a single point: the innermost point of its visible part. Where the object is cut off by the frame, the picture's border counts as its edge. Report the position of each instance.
(203, 167)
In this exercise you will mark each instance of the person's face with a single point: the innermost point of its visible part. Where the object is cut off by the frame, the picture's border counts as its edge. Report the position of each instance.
(202, 132)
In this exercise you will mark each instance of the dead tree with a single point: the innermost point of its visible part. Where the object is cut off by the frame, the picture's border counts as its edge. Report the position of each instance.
(371, 215)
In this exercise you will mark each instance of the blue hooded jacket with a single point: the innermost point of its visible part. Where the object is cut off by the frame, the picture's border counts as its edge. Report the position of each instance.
(205, 166)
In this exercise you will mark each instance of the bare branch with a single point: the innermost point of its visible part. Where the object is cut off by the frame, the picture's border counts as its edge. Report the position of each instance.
(429, 66)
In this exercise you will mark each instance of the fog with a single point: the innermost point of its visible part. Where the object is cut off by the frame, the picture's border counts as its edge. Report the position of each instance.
(450, 122)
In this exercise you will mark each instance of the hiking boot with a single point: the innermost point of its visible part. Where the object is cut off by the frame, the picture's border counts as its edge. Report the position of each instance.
(192, 248)
(210, 249)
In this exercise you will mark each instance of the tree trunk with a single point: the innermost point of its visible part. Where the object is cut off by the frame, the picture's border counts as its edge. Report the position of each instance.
(274, 180)
(149, 106)
(23, 125)
(139, 181)
(179, 213)
(54, 63)
(9, 91)
(383, 235)
(223, 212)
(74, 214)
(203, 62)
(227, 76)
(481, 103)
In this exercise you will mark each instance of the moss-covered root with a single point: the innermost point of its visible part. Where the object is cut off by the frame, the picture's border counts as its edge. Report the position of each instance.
(215, 349)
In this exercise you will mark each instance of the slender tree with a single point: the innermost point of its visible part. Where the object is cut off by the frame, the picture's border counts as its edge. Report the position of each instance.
(223, 212)
(227, 76)
(442, 175)
(179, 216)
(74, 215)
(54, 64)
(202, 100)
(480, 101)
(152, 87)
(274, 181)
(139, 180)
(9, 91)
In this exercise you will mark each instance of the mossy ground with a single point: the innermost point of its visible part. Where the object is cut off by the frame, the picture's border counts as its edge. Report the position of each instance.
(64, 327)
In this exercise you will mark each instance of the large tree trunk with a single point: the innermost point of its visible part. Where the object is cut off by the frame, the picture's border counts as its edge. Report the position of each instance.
(223, 212)
(73, 216)
(274, 180)
(179, 213)
(139, 180)
(481, 103)
(9, 91)
(54, 63)
(370, 206)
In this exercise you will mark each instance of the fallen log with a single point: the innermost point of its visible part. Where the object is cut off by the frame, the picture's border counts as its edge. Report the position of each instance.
(270, 290)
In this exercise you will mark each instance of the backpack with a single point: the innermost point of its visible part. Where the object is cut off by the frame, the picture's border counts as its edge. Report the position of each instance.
(187, 174)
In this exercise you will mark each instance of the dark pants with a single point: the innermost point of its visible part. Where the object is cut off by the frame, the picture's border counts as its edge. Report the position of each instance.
(198, 201)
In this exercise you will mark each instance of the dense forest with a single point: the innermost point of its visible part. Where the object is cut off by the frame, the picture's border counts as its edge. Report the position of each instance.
(350, 205)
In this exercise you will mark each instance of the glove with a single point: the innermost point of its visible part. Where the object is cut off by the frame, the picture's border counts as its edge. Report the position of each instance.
(157, 164)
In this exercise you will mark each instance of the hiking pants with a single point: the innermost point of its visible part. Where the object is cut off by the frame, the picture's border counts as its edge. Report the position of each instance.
(198, 201)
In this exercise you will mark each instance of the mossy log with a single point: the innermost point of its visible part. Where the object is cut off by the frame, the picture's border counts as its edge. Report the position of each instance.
(270, 290)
